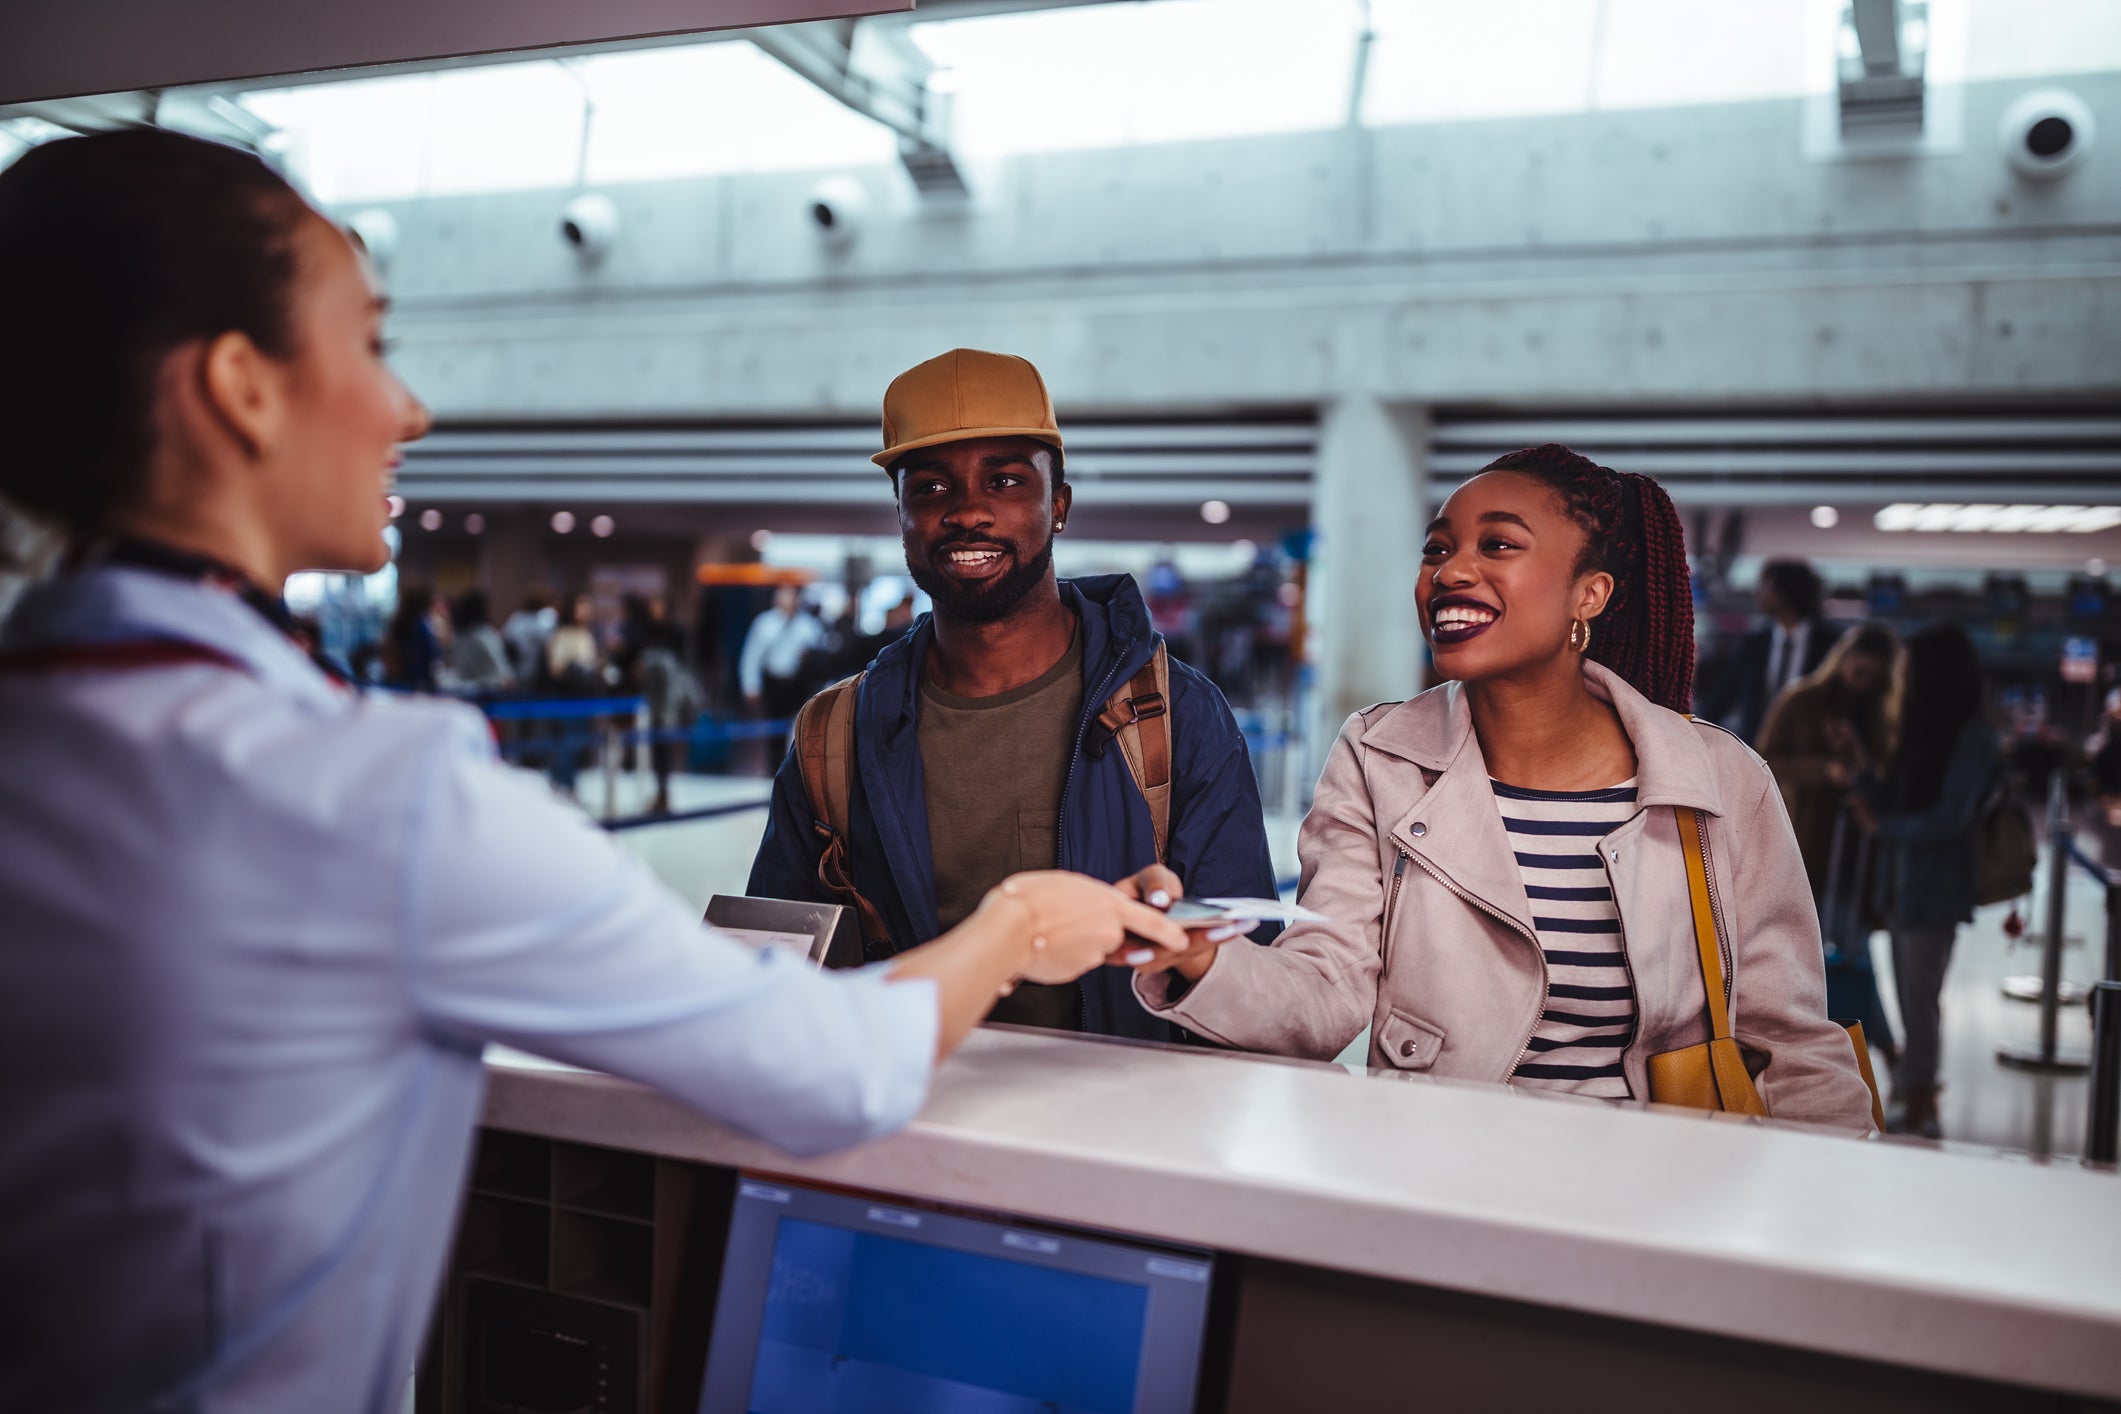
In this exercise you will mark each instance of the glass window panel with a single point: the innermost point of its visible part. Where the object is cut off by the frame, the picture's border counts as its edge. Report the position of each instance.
(1669, 53)
(725, 107)
(1176, 70)
(1436, 61)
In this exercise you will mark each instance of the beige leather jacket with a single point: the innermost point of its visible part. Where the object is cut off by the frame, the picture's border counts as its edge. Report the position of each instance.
(1431, 939)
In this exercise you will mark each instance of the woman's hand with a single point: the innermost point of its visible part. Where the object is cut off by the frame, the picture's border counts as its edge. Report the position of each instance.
(1075, 923)
(1156, 886)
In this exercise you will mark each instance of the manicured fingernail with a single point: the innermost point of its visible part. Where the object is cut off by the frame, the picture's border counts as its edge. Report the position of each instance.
(1140, 956)
(1160, 899)
(1228, 931)
(1038, 945)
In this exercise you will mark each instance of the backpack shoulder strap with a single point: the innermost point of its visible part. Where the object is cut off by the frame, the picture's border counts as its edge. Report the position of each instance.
(824, 747)
(1139, 718)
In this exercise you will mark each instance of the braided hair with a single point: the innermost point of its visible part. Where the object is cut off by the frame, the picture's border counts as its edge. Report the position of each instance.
(1632, 532)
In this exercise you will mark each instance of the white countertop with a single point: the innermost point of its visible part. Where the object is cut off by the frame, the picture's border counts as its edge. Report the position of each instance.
(1970, 1264)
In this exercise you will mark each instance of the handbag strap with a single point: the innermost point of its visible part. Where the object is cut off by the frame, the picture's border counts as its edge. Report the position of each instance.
(1697, 882)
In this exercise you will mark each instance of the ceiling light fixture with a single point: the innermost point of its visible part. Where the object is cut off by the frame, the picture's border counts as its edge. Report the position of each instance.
(1989, 518)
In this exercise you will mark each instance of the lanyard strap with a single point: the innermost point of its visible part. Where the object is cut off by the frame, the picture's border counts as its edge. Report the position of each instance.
(129, 653)
(130, 552)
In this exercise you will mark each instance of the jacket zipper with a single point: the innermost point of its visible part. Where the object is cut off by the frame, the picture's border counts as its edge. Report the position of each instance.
(1399, 875)
(1627, 959)
(1546, 978)
(1723, 933)
(1082, 730)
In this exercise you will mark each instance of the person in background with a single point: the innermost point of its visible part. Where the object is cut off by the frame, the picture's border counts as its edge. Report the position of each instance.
(1818, 735)
(526, 631)
(574, 665)
(2102, 753)
(1924, 811)
(257, 928)
(770, 668)
(1787, 648)
(574, 668)
(478, 656)
(858, 650)
(1499, 862)
(413, 652)
(651, 661)
(980, 739)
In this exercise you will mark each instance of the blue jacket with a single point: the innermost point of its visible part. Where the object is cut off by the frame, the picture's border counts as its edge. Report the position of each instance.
(1218, 842)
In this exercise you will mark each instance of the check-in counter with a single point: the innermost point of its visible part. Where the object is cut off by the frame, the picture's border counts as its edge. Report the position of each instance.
(1377, 1243)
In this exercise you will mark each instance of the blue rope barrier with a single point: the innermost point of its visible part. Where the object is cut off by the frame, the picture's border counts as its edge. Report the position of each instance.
(678, 817)
(2090, 865)
(566, 709)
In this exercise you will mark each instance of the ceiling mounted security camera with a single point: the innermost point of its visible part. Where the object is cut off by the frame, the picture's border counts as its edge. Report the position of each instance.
(2046, 133)
(837, 207)
(590, 226)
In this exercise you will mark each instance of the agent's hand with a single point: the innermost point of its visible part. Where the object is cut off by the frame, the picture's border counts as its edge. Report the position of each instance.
(1073, 923)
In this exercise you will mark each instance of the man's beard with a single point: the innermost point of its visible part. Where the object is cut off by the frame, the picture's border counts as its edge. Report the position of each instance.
(986, 603)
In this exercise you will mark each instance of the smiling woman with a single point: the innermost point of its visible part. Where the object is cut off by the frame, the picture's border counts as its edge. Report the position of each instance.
(1503, 859)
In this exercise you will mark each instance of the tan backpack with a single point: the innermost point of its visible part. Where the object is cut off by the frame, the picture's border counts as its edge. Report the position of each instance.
(1138, 716)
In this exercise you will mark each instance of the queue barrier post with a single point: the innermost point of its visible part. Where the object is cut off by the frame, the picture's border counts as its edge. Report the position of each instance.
(2102, 1117)
(2046, 1055)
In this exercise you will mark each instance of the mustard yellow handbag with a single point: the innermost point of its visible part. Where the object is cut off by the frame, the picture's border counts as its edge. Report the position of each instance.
(1712, 1075)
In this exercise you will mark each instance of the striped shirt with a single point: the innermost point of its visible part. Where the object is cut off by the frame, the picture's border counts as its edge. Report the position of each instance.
(1590, 1007)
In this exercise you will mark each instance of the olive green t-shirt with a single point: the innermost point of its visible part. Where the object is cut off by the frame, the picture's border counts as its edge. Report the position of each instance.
(994, 768)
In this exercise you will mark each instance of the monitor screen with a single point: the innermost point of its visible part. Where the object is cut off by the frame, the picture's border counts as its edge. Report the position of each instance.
(833, 1301)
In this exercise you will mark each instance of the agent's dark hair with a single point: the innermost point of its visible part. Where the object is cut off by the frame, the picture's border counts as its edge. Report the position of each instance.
(1796, 584)
(1941, 693)
(118, 248)
(1631, 531)
(471, 609)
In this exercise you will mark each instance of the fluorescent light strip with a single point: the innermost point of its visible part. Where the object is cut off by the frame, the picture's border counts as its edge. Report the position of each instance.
(1986, 518)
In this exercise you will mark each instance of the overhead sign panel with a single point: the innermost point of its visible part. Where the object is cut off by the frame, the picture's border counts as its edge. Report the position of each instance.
(68, 48)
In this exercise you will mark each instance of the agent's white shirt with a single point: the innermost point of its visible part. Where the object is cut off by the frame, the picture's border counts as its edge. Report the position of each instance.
(775, 644)
(254, 932)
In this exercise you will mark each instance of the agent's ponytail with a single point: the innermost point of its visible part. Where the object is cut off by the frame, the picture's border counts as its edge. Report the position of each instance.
(1632, 532)
(116, 249)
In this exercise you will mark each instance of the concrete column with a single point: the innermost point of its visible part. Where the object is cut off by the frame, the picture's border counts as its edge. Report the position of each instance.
(1369, 508)
(512, 559)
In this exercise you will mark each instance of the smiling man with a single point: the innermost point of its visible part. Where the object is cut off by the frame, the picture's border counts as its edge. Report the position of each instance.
(1027, 723)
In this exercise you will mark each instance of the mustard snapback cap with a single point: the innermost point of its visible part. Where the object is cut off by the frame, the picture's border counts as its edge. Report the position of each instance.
(963, 394)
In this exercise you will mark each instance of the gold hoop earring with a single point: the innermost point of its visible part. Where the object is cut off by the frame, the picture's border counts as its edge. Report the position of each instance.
(1579, 635)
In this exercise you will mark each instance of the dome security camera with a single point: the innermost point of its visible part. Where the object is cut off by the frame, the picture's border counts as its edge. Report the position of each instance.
(2046, 133)
(837, 206)
(590, 226)
(377, 232)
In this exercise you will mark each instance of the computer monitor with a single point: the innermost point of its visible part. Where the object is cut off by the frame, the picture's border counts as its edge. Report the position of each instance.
(833, 1301)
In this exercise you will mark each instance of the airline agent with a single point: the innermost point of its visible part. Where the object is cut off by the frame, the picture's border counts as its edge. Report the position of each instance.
(256, 927)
